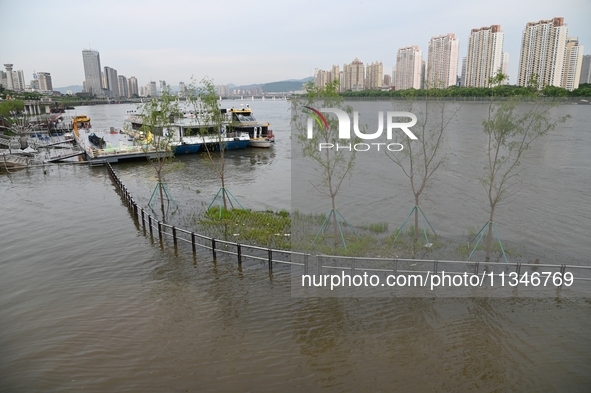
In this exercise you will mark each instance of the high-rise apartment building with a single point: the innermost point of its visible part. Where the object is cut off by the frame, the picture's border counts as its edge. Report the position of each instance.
(34, 83)
(463, 74)
(162, 87)
(409, 62)
(44, 79)
(224, 90)
(333, 74)
(92, 72)
(543, 46)
(387, 80)
(375, 74)
(111, 82)
(151, 89)
(505, 67)
(423, 73)
(132, 86)
(105, 84)
(9, 82)
(18, 80)
(320, 78)
(585, 70)
(442, 63)
(13, 80)
(354, 76)
(123, 90)
(485, 55)
(573, 61)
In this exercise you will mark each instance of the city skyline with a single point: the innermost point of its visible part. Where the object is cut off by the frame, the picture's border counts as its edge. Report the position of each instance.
(154, 43)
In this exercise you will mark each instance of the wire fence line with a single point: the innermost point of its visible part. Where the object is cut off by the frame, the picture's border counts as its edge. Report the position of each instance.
(198, 241)
(320, 264)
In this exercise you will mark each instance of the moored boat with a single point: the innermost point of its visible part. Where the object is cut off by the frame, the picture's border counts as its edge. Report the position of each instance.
(242, 120)
(111, 147)
(190, 135)
(258, 140)
(96, 140)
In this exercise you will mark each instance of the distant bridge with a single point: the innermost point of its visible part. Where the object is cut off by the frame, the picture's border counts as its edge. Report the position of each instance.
(263, 97)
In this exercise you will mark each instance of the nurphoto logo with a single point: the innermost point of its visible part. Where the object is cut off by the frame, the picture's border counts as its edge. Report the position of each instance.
(392, 123)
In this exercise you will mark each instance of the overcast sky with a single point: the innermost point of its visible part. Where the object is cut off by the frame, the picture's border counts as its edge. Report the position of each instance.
(256, 41)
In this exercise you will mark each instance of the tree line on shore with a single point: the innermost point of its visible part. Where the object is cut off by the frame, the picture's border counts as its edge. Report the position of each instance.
(531, 91)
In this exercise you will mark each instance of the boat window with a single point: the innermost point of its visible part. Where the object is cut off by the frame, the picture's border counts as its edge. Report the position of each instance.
(242, 117)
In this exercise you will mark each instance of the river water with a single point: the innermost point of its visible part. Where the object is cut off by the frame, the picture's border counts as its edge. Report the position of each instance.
(88, 302)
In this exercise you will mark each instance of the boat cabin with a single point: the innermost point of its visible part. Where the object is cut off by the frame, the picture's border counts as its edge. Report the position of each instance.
(243, 120)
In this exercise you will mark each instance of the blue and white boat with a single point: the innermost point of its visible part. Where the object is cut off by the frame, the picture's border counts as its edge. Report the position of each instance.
(189, 135)
(192, 134)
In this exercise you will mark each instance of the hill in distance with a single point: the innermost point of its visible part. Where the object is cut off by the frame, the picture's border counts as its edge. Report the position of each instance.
(73, 88)
(274, 87)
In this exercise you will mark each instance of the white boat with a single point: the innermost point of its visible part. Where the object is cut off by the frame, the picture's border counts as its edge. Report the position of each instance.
(258, 140)
(190, 133)
(242, 120)
(188, 136)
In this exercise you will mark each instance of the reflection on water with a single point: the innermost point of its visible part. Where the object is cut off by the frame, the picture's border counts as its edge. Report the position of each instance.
(87, 302)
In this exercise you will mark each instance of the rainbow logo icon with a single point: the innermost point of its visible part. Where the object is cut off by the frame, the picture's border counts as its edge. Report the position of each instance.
(317, 116)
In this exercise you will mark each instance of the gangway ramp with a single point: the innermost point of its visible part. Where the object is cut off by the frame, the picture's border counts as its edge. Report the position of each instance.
(64, 156)
(13, 161)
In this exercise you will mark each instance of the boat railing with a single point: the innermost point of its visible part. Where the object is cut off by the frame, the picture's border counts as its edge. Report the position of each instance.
(99, 131)
(319, 264)
(114, 150)
(123, 149)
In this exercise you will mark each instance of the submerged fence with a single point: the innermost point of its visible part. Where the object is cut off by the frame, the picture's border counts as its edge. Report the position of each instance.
(319, 264)
(197, 241)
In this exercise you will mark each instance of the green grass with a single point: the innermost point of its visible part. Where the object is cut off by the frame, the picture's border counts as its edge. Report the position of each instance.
(464, 250)
(380, 227)
(300, 232)
(265, 229)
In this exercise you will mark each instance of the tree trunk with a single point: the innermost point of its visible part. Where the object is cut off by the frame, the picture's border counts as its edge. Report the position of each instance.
(489, 235)
(334, 221)
(160, 189)
(224, 193)
(416, 231)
